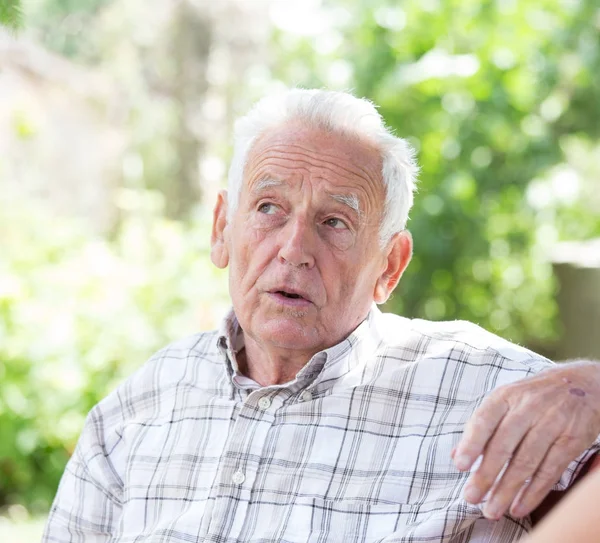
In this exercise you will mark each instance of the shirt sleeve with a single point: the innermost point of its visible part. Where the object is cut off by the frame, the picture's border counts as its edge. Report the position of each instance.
(88, 504)
(574, 468)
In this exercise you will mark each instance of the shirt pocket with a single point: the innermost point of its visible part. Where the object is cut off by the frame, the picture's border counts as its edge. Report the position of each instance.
(318, 519)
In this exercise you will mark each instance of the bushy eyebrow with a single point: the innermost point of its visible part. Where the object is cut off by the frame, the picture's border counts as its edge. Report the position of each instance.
(351, 200)
(266, 183)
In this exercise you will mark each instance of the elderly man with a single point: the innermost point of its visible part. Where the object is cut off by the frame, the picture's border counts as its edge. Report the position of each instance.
(310, 415)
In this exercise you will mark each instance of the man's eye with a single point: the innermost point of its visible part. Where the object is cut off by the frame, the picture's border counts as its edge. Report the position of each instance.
(336, 223)
(267, 208)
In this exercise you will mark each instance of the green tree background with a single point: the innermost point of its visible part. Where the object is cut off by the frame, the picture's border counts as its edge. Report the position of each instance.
(501, 100)
(10, 14)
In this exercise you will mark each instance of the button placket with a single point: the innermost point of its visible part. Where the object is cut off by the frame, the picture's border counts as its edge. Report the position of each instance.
(264, 403)
(306, 396)
(238, 477)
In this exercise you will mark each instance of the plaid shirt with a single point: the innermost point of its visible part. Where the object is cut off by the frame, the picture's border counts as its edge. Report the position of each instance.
(355, 449)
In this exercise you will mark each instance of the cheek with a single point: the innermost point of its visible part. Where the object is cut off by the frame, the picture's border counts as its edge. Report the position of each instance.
(250, 256)
(338, 279)
(351, 283)
(247, 239)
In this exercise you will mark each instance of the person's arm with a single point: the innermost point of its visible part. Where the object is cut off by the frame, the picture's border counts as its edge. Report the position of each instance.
(575, 518)
(535, 427)
(87, 506)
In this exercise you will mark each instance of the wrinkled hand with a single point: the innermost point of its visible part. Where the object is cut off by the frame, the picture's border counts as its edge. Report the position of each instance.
(537, 425)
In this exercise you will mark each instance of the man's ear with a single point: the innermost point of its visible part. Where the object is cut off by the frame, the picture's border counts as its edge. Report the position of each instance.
(399, 252)
(219, 247)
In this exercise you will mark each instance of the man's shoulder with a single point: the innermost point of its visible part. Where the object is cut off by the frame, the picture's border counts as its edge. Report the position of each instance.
(458, 341)
(201, 346)
(190, 362)
(196, 348)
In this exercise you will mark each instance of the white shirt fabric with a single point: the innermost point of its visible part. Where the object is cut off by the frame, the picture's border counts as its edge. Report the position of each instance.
(355, 449)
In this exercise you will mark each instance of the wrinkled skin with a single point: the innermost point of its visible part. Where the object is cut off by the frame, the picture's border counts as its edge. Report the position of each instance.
(538, 425)
(307, 224)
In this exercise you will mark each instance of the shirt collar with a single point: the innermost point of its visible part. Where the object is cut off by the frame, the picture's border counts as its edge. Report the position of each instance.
(230, 341)
(324, 368)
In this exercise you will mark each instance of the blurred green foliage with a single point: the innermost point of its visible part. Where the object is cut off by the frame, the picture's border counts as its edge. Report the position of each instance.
(11, 14)
(77, 315)
(493, 95)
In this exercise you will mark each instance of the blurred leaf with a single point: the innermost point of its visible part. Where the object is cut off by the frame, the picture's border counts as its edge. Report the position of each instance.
(11, 14)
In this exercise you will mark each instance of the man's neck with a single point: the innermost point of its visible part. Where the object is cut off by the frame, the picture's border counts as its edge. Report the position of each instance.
(270, 366)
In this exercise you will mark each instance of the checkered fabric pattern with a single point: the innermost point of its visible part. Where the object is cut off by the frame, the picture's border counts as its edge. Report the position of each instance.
(355, 449)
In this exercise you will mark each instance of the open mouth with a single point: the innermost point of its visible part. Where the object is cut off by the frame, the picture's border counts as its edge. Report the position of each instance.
(288, 294)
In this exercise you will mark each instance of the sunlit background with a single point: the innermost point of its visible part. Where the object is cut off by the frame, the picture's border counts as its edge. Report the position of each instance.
(115, 134)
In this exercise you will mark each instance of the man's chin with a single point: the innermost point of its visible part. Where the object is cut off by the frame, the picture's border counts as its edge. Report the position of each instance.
(289, 333)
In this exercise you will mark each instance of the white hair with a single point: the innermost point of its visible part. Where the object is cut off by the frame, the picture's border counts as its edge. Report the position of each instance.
(341, 113)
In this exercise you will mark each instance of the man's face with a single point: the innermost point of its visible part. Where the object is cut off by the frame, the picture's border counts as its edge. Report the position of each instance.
(303, 245)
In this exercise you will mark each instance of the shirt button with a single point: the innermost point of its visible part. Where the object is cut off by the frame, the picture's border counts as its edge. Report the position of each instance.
(238, 478)
(264, 403)
(306, 396)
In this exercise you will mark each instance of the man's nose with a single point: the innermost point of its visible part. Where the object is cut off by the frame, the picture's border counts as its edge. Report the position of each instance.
(297, 243)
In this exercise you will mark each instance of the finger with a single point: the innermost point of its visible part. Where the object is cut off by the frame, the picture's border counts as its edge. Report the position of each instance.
(526, 461)
(478, 430)
(500, 448)
(546, 476)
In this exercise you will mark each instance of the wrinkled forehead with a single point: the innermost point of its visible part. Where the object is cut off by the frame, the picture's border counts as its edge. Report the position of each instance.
(338, 156)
